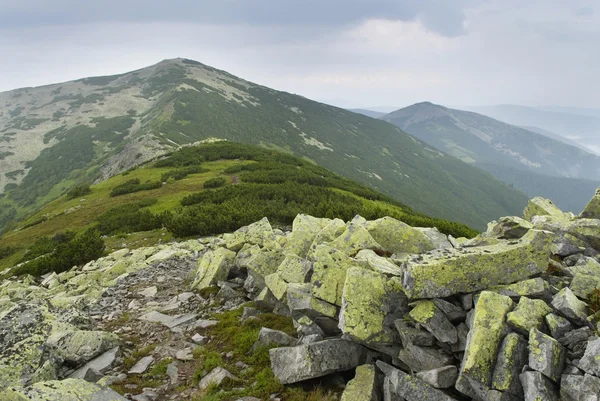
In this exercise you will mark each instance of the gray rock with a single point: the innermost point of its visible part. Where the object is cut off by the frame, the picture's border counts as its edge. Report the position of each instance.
(169, 321)
(216, 377)
(79, 347)
(63, 390)
(248, 312)
(365, 386)
(101, 364)
(463, 332)
(512, 357)
(424, 358)
(435, 321)
(546, 355)
(558, 325)
(173, 372)
(576, 341)
(510, 227)
(149, 292)
(399, 385)
(467, 301)
(184, 354)
(579, 388)
(412, 335)
(142, 365)
(307, 361)
(570, 306)
(590, 362)
(443, 377)
(198, 339)
(537, 387)
(454, 313)
(268, 337)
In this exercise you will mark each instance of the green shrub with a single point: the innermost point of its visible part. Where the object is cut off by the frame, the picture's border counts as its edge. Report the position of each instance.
(134, 185)
(215, 182)
(181, 173)
(129, 218)
(79, 190)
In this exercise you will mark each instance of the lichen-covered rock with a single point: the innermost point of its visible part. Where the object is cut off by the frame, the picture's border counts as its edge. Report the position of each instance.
(528, 314)
(308, 361)
(398, 237)
(439, 240)
(79, 347)
(592, 209)
(546, 355)
(567, 304)
(443, 377)
(268, 336)
(63, 390)
(215, 377)
(471, 269)
(265, 262)
(435, 321)
(371, 260)
(301, 303)
(484, 339)
(532, 288)
(510, 227)
(590, 362)
(355, 238)
(412, 335)
(329, 273)
(579, 388)
(258, 233)
(539, 206)
(587, 230)
(365, 386)
(368, 316)
(558, 325)
(277, 285)
(304, 231)
(512, 356)
(294, 269)
(424, 358)
(584, 285)
(213, 267)
(585, 265)
(537, 387)
(399, 385)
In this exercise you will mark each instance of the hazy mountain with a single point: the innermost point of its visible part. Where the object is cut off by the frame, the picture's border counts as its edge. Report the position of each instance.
(567, 122)
(529, 161)
(368, 113)
(555, 136)
(87, 130)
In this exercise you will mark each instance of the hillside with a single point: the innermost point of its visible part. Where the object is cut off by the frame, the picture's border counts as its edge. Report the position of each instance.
(55, 136)
(532, 163)
(368, 113)
(203, 190)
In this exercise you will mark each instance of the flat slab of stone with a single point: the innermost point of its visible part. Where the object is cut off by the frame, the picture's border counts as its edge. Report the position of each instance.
(571, 307)
(365, 386)
(546, 355)
(443, 377)
(399, 384)
(590, 362)
(142, 365)
(215, 377)
(435, 321)
(100, 364)
(512, 357)
(63, 390)
(537, 387)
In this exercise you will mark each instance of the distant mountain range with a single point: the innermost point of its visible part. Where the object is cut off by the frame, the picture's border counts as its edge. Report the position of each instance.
(56, 136)
(533, 163)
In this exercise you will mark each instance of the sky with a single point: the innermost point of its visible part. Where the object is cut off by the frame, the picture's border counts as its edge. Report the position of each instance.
(351, 53)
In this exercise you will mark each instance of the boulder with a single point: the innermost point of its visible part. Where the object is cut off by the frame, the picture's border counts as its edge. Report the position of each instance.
(443, 377)
(568, 305)
(302, 303)
(308, 361)
(399, 385)
(213, 267)
(546, 355)
(258, 233)
(512, 357)
(79, 347)
(354, 239)
(439, 240)
(101, 364)
(584, 285)
(579, 388)
(264, 262)
(294, 269)
(470, 269)
(398, 237)
(532, 288)
(528, 314)
(329, 273)
(592, 209)
(424, 358)
(368, 316)
(365, 386)
(215, 378)
(63, 390)
(557, 325)
(277, 285)
(267, 337)
(412, 335)
(428, 315)
(142, 365)
(454, 313)
(542, 207)
(537, 387)
(590, 362)
(370, 260)
(511, 227)
(585, 265)
(304, 231)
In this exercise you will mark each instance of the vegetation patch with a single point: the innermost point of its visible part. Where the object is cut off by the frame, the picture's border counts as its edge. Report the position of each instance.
(134, 185)
(79, 190)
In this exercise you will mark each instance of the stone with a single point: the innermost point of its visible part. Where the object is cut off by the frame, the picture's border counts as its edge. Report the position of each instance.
(435, 321)
(558, 325)
(584, 285)
(184, 354)
(592, 209)
(528, 314)
(585, 265)
(424, 358)
(101, 364)
(216, 377)
(484, 339)
(329, 273)
(213, 267)
(294, 269)
(205, 323)
(398, 237)
(308, 361)
(412, 335)
(590, 362)
(399, 386)
(173, 372)
(454, 313)
(443, 377)
(277, 285)
(470, 269)
(587, 230)
(370, 260)
(579, 388)
(546, 355)
(264, 262)
(539, 206)
(463, 332)
(63, 390)
(532, 288)
(512, 357)
(149, 292)
(171, 322)
(568, 305)
(364, 386)
(354, 239)
(198, 339)
(142, 365)
(368, 316)
(537, 387)
(510, 227)
(439, 240)
(79, 347)
(270, 337)
(258, 233)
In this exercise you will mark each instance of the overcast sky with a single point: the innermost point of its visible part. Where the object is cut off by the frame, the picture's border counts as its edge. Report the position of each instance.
(351, 53)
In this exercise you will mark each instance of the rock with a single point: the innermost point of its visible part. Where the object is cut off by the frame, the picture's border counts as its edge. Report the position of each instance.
(439, 240)
(471, 269)
(264, 262)
(512, 357)
(590, 362)
(79, 347)
(258, 233)
(205, 323)
(511, 227)
(184, 354)
(537, 387)
(454, 313)
(424, 358)
(142, 365)
(294, 269)
(587, 230)
(276, 285)
(528, 314)
(173, 372)
(101, 364)
(576, 341)
(579, 388)
(435, 321)
(365, 386)
(568, 305)
(198, 339)
(370, 260)
(443, 377)
(411, 335)
(557, 325)
(398, 237)
(463, 331)
(484, 340)
(368, 316)
(399, 386)
(149, 292)
(584, 285)
(213, 267)
(308, 361)
(585, 265)
(592, 209)
(532, 288)
(329, 275)
(63, 390)
(271, 337)
(171, 322)
(354, 239)
(542, 207)
(216, 377)
(546, 355)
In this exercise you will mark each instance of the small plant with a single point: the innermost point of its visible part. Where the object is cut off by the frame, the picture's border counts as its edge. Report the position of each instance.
(215, 182)
(594, 303)
(79, 190)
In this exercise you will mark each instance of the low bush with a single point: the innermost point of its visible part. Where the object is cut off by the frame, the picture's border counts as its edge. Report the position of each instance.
(134, 185)
(79, 190)
(215, 182)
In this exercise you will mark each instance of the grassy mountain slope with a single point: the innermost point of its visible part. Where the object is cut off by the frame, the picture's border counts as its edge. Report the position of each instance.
(95, 128)
(248, 183)
(368, 113)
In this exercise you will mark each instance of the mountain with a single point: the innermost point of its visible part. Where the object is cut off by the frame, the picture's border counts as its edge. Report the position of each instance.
(533, 163)
(368, 113)
(582, 128)
(555, 136)
(56, 136)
